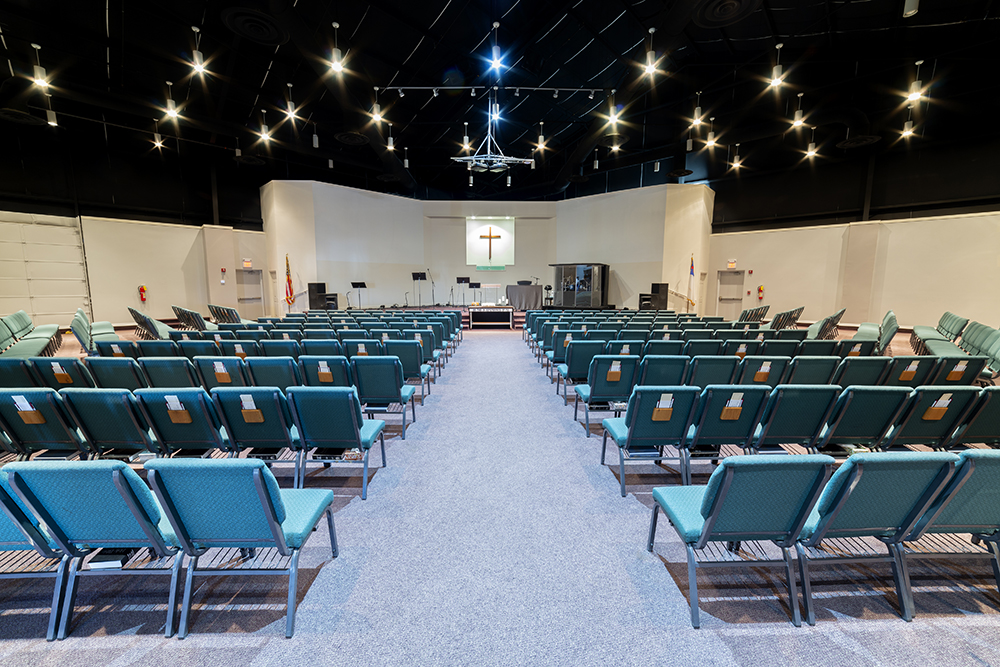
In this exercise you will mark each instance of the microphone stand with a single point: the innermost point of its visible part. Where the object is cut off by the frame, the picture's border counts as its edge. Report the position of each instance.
(406, 299)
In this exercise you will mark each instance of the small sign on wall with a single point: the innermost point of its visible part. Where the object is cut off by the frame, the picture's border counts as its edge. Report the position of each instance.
(731, 264)
(247, 263)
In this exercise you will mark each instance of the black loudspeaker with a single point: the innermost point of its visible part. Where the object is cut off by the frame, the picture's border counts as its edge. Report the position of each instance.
(659, 293)
(317, 296)
(331, 302)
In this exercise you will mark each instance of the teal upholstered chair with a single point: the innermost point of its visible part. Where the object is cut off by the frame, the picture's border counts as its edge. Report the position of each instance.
(279, 348)
(239, 348)
(934, 414)
(656, 417)
(606, 385)
(20, 532)
(727, 415)
(59, 372)
(222, 372)
(324, 348)
(957, 371)
(660, 347)
(410, 356)
(861, 371)
(177, 336)
(356, 347)
(325, 371)
(795, 414)
(256, 335)
(280, 372)
(121, 348)
(380, 384)
(576, 365)
(17, 372)
(876, 495)
(157, 348)
(110, 422)
(863, 417)
(169, 371)
(198, 348)
(662, 369)
(817, 348)
(90, 505)
(329, 422)
(257, 423)
(253, 513)
(35, 420)
(806, 369)
(910, 371)
(982, 426)
(729, 509)
(430, 355)
(560, 344)
(713, 369)
(183, 420)
(116, 372)
(779, 348)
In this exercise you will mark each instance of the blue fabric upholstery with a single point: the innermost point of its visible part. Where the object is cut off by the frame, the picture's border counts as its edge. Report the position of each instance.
(108, 418)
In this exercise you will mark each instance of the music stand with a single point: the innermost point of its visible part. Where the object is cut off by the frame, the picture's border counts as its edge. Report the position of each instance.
(359, 286)
(474, 287)
(418, 277)
(463, 282)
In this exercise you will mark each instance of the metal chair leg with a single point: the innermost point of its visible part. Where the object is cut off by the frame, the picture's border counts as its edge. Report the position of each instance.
(604, 446)
(381, 437)
(413, 409)
(182, 631)
(334, 549)
(806, 585)
(175, 580)
(693, 586)
(901, 572)
(586, 416)
(69, 599)
(793, 595)
(293, 578)
(994, 561)
(652, 528)
(58, 593)
(364, 479)
(621, 468)
(404, 422)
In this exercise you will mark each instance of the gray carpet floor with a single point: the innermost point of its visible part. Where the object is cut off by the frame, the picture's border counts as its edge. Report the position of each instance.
(495, 537)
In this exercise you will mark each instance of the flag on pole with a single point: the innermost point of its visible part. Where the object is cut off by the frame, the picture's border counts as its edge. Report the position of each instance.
(690, 286)
(692, 265)
(289, 291)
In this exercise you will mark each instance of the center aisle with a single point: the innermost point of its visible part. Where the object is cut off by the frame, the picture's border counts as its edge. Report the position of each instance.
(494, 537)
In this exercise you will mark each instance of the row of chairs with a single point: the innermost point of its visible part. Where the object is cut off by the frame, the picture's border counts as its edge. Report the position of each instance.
(219, 512)
(226, 314)
(371, 375)
(882, 333)
(20, 337)
(192, 319)
(610, 378)
(889, 502)
(949, 327)
(826, 328)
(787, 319)
(88, 333)
(313, 424)
(824, 419)
(755, 314)
(976, 339)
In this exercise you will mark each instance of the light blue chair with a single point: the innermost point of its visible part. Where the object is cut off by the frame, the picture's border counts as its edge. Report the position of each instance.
(329, 422)
(236, 504)
(258, 424)
(876, 495)
(91, 505)
(110, 422)
(648, 427)
(380, 384)
(603, 388)
(747, 498)
(46, 430)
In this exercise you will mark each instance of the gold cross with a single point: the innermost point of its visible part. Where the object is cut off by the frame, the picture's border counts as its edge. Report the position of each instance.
(490, 237)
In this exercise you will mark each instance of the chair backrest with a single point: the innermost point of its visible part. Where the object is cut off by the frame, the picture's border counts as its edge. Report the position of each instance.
(240, 347)
(861, 370)
(254, 416)
(169, 371)
(321, 334)
(796, 414)
(783, 348)
(762, 370)
(16, 372)
(663, 347)
(426, 342)
(116, 372)
(971, 501)
(285, 333)
(86, 505)
(281, 372)
(19, 530)
(604, 384)
(181, 418)
(116, 348)
(729, 414)
(109, 420)
(956, 371)
(579, 354)
(326, 371)
(817, 348)
(695, 348)
(326, 416)
(222, 372)
(59, 372)
(881, 494)
(811, 370)
(663, 369)
(378, 379)
(386, 335)
(910, 371)
(933, 416)
(706, 370)
(741, 487)
(198, 348)
(741, 347)
(187, 334)
(36, 419)
(562, 339)
(792, 334)
(660, 415)
(216, 503)
(328, 348)
(983, 423)
(252, 334)
(279, 348)
(855, 348)
(863, 415)
(157, 348)
(409, 354)
(623, 346)
(364, 348)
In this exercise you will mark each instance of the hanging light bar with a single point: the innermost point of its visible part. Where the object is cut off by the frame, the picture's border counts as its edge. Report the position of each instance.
(406, 158)
(811, 151)
(377, 110)
(465, 139)
(910, 8)
(290, 111)
(908, 125)
(50, 116)
(390, 146)
(497, 61)
(736, 158)
(776, 77)
(315, 137)
(596, 163)
(541, 136)
(264, 133)
(337, 61)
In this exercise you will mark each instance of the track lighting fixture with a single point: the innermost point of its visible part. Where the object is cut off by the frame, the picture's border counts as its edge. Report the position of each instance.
(651, 55)
(797, 121)
(776, 76)
(915, 92)
(910, 8)
(315, 137)
(40, 79)
(402, 93)
(596, 163)
(389, 145)
(811, 151)
(696, 120)
(290, 111)
(908, 125)
(591, 96)
(465, 139)
(736, 158)
(265, 134)
(171, 105)
(541, 136)
(710, 141)
(197, 58)
(377, 109)
(497, 61)
(436, 92)
(50, 116)
(406, 158)
(337, 61)
(555, 94)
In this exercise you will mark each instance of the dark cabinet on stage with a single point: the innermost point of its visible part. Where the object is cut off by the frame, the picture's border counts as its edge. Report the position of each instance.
(580, 285)
(319, 299)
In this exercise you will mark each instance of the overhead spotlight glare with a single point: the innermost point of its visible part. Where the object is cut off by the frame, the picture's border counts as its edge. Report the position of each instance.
(798, 119)
(736, 162)
(776, 76)
(614, 149)
(390, 145)
(811, 150)
(377, 113)
(908, 128)
(172, 109)
(41, 78)
(158, 141)
(50, 115)
(697, 116)
(198, 62)
(497, 61)
(915, 92)
(290, 112)
(650, 62)
(614, 117)
(337, 63)
(711, 139)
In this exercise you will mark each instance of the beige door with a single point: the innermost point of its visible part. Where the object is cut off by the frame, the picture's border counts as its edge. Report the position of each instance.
(730, 291)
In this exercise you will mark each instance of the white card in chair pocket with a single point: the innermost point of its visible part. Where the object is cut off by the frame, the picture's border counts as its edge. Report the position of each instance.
(938, 409)
(221, 374)
(615, 372)
(763, 373)
(664, 409)
(909, 371)
(957, 372)
(733, 408)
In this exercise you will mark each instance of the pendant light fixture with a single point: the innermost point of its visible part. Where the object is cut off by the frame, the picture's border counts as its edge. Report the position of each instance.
(696, 120)
(337, 61)
(197, 58)
(41, 78)
(798, 121)
(776, 76)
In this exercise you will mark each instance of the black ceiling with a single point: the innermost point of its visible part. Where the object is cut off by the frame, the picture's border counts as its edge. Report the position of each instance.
(108, 62)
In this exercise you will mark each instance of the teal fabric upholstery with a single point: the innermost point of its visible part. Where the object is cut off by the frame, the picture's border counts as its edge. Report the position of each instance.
(971, 503)
(281, 372)
(279, 348)
(713, 431)
(16, 372)
(57, 434)
(116, 373)
(657, 369)
(751, 365)
(273, 433)
(109, 420)
(923, 368)
(235, 348)
(331, 417)
(682, 505)
(158, 348)
(198, 348)
(47, 367)
(817, 348)
(861, 371)
(806, 369)
(326, 348)
(339, 367)
(110, 348)
(352, 347)
(934, 433)
(983, 423)
(203, 431)
(169, 371)
(19, 529)
(707, 370)
(380, 380)
(864, 415)
(795, 414)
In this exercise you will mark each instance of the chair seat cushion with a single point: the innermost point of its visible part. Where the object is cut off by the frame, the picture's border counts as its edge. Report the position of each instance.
(303, 510)
(928, 333)
(617, 429)
(943, 348)
(867, 331)
(370, 428)
(407, 391)
(583, 391)
(549, 355)
(101, 328)
(682, 505)
(43, 331)
(29, 347)
(425, 369)
(562, 369)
